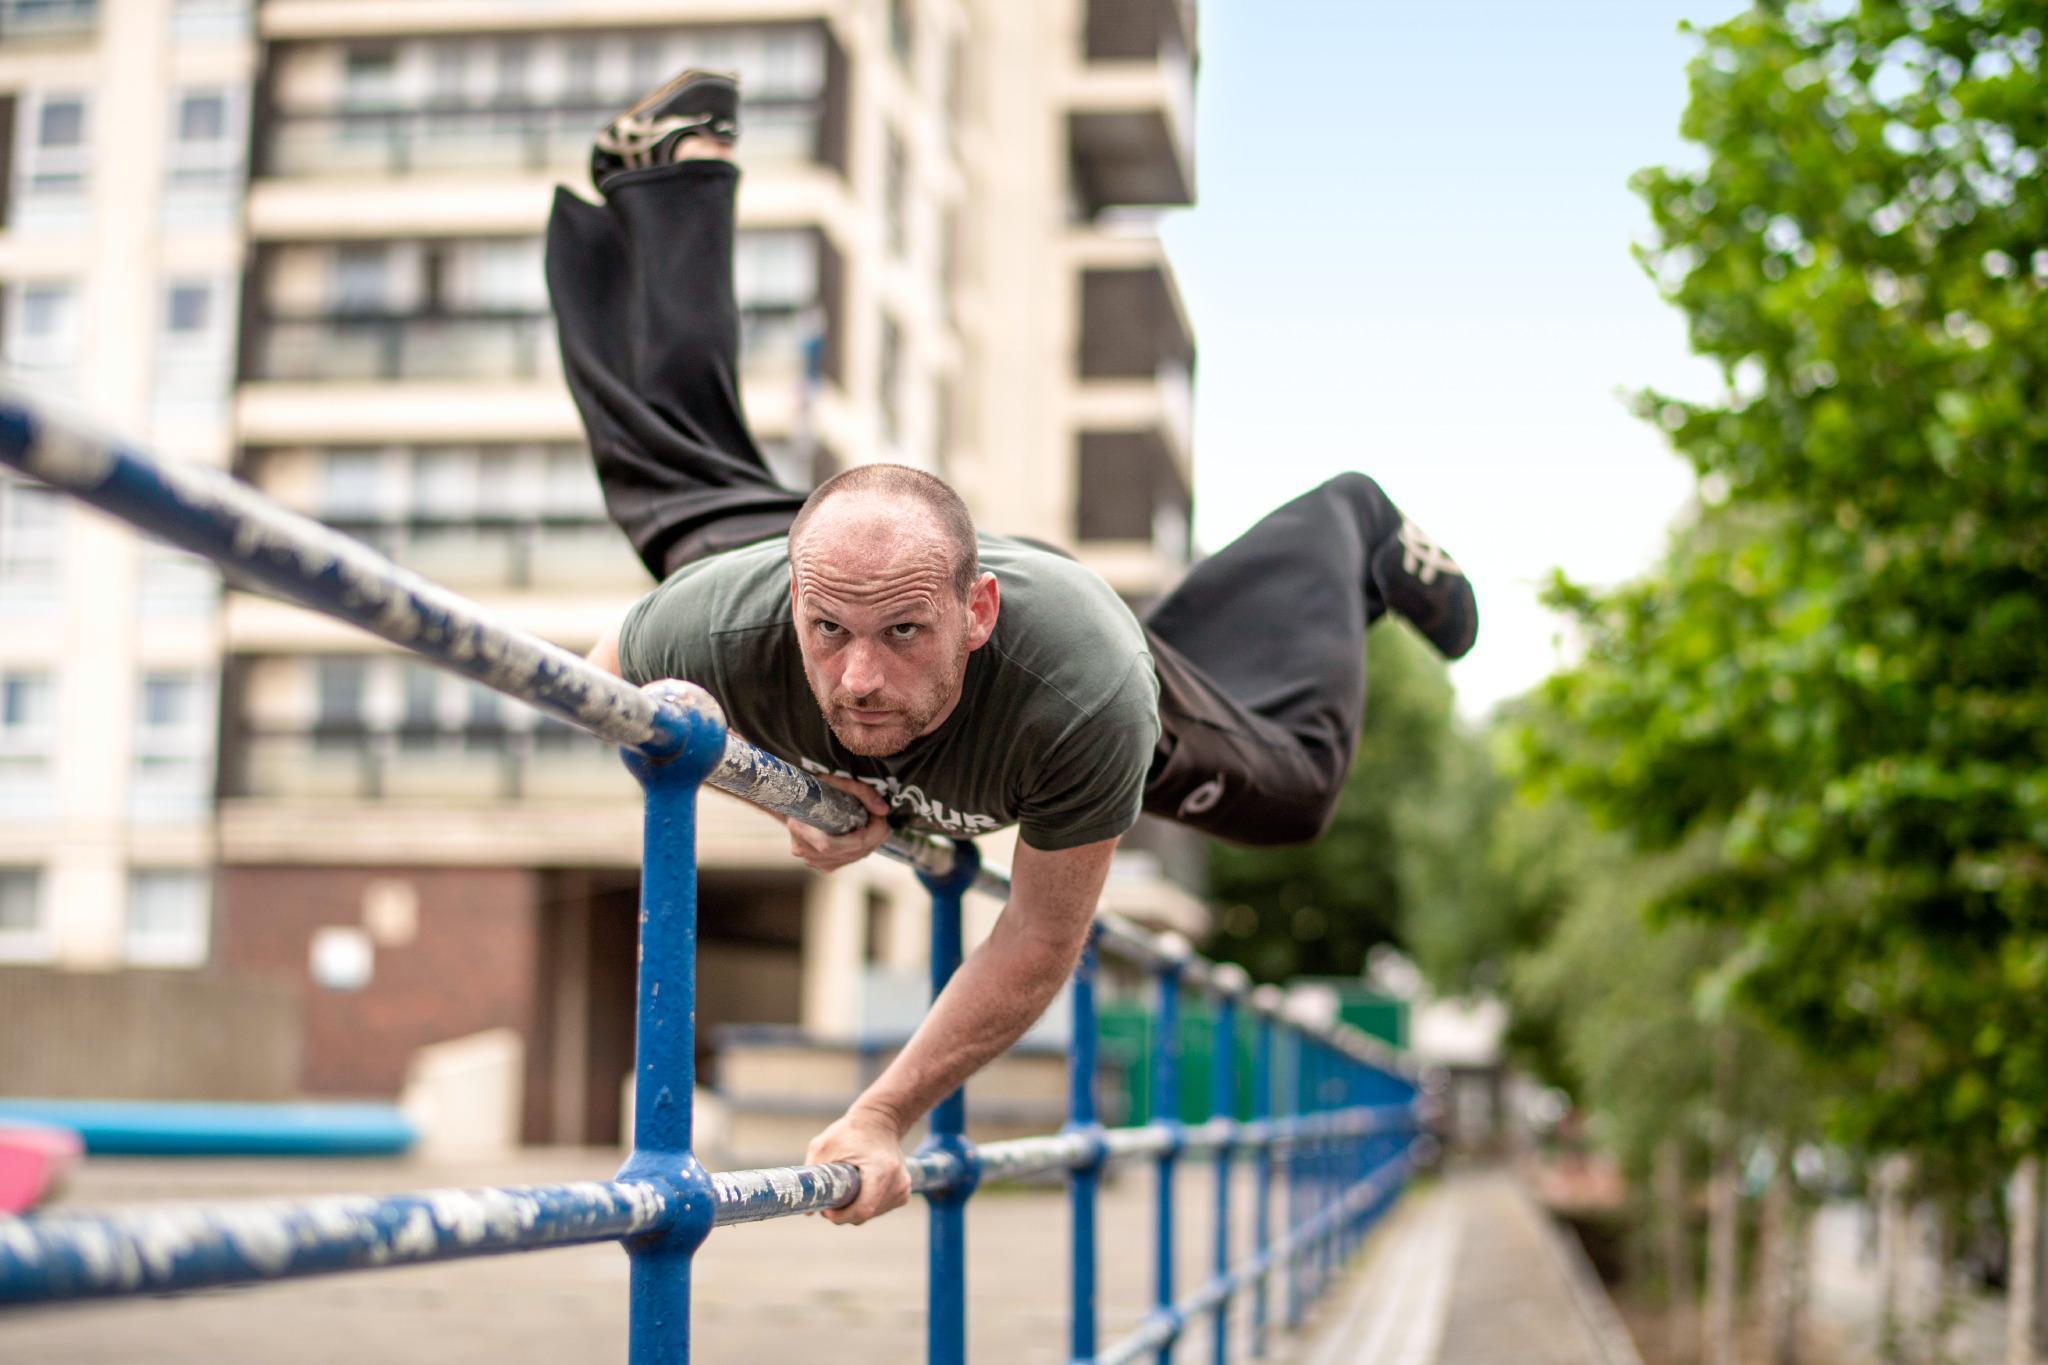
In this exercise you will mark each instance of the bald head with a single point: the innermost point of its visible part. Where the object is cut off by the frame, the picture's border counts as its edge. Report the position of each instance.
(908, 510)
(887, 599)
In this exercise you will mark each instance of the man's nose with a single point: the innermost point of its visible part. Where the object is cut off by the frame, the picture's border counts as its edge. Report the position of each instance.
(863, 672)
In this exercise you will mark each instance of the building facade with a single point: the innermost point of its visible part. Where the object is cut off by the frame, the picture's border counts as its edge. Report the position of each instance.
(946, 259)
(123, 130)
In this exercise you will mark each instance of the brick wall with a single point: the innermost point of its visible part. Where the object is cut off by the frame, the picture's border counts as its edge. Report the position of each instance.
(472, 963)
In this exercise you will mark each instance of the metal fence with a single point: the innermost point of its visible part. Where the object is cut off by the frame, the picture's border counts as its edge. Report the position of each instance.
(1328, 1132)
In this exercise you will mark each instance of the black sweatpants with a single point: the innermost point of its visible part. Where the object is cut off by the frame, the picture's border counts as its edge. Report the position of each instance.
(1260, 650)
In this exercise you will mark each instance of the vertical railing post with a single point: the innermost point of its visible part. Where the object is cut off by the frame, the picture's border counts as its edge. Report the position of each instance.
(1166, 1116)
(1084, 1180)
(1311, 1161)
(665, 1044)
(946, 1287)
(1291, 1108)
(1231, 982)
(1266, 1001)
(1326, 1166)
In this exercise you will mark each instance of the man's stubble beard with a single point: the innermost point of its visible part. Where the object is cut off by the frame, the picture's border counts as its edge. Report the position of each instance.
(867, 742)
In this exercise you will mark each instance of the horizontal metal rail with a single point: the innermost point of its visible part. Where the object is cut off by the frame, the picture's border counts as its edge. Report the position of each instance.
(1328, 1112)
(163, 1249)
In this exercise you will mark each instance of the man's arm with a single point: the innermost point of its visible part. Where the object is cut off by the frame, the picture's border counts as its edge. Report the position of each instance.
(605, 653)
(997, 994)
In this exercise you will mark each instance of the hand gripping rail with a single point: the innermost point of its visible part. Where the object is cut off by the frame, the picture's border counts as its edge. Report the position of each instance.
(1327, 1113)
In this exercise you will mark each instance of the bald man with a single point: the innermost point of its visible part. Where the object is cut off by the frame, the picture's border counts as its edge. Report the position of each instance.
(954, 681)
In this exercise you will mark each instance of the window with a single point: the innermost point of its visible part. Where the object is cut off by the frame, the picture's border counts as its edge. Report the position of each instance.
(484, 726)
(777, 269)
(173, 746)
(173, 582)
(41, 330)
(420, 719)
(450, 75)
(956, 83)
(785, 67)
(54, 147)
(515, 64)
(504, 274)
(351, 485)
(579, 72)
(26, 742)
(188, 309)
(31, 536)
(944, 421)
(571, 483)
(360, 278)
(338, 716)
(209, 19)
(203, 116)
(22, 934)
(903, 30)
(898, 193)
(444, 484)
(169, 914)
(24, 709)
(47, 312)
(369, 77)
(63, 123)
(646, 65)
(889, 380)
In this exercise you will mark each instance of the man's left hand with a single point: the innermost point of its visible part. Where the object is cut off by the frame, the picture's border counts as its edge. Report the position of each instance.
(830, 852)
(871, 1142)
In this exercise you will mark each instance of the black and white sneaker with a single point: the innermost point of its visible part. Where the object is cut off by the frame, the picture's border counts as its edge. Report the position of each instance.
(1418, 578)
(694, 104)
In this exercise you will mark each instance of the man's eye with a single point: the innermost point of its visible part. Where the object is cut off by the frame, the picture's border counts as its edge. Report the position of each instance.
(904, 631)
(830, 629)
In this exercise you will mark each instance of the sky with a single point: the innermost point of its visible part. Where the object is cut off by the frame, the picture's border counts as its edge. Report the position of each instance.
(1410, 256)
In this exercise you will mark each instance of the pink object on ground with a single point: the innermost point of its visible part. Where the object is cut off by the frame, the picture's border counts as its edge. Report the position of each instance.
(33, 1162)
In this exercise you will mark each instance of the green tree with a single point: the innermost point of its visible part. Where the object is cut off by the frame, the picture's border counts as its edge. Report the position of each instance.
(1318, 908)
(1841, 671)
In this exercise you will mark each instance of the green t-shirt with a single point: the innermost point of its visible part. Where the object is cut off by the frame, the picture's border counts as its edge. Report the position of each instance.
(1057, 720)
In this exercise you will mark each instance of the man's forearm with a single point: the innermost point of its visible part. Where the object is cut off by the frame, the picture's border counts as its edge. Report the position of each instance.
(996, 995)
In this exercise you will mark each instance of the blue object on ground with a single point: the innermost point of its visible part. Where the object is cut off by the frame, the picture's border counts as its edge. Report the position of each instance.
(177, 1128)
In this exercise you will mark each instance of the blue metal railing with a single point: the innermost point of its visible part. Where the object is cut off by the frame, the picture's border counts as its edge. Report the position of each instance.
(1331, 1112)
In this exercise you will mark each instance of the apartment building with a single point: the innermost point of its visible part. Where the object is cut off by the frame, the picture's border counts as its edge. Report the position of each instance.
(122, 141)
(946, 258)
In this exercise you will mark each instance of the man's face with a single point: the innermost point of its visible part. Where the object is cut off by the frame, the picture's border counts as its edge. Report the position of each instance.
(883, 633)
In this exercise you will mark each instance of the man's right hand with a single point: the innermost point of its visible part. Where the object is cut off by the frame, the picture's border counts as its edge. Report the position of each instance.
(830, 852)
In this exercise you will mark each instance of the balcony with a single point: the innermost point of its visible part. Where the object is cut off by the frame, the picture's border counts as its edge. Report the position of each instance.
(1131, 112)
(354, 348)
(504, 346)
(496, 139)
(482, 765)
(482, 554)
(1135, 30)
(1132, 322)
(25, 21)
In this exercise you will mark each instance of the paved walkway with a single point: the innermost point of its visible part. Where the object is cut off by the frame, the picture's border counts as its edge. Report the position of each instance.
(1461, 1269)
(1470, 1272)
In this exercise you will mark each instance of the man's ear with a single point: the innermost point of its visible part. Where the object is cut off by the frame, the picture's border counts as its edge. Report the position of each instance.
(984, 601)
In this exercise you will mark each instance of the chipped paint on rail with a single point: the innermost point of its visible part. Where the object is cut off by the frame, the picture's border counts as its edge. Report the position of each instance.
(151, 1250)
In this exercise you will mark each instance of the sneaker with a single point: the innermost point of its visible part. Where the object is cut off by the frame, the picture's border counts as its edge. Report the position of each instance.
(694, 104)
(1419, 579)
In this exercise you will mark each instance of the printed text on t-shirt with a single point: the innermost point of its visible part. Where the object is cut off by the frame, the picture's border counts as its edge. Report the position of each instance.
(898, 793)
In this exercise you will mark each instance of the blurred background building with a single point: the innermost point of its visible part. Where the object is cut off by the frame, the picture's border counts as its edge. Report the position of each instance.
(304, 238)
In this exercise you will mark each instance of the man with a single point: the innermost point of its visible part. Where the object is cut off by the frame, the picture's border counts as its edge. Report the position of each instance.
(953, 682)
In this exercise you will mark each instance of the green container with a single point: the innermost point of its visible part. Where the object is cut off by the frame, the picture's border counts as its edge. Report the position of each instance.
(1126, 1031)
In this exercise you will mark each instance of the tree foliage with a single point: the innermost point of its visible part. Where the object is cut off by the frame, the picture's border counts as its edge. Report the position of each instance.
(1318, 909)
(1841, 670)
